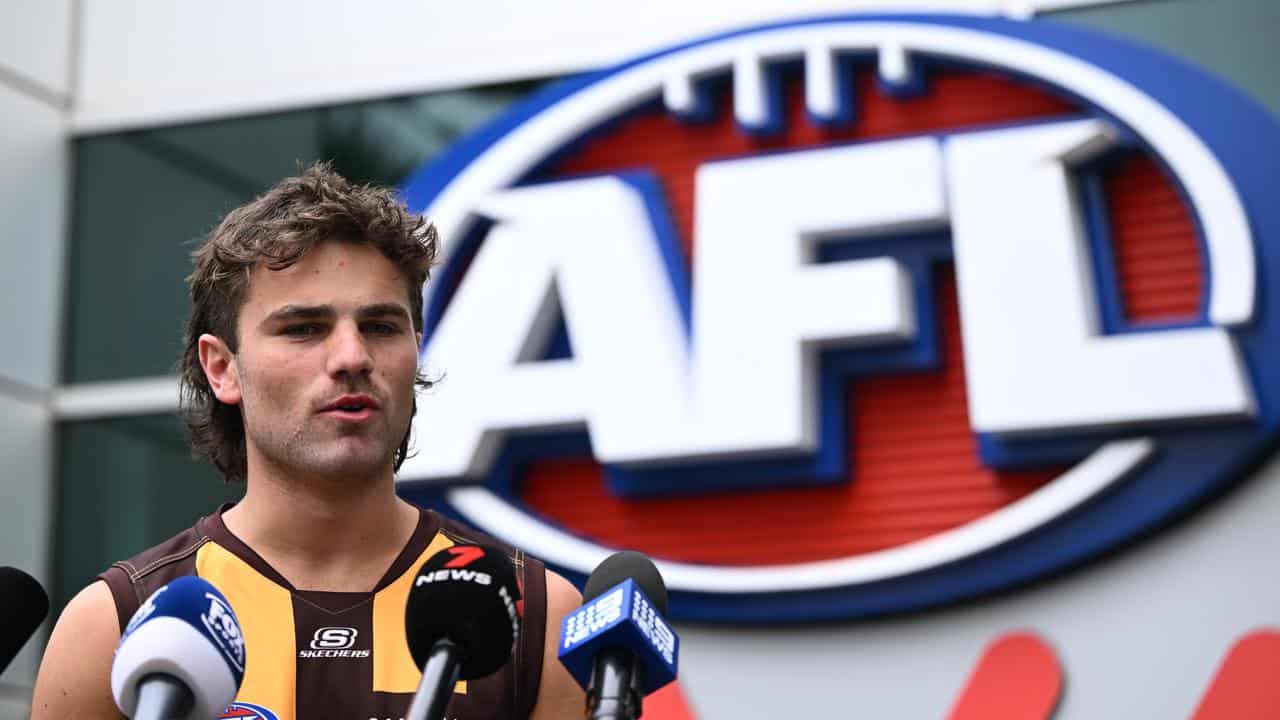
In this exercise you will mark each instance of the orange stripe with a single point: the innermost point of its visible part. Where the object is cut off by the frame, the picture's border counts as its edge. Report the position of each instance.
(265, 612)
(393, 668)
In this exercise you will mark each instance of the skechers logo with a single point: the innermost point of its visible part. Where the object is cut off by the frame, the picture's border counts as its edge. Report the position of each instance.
(334, 638)
(333, 642)
(479, 578)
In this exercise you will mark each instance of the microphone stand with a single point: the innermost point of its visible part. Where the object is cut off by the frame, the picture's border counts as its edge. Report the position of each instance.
(616, 682)
(162, 697)
(439, 674)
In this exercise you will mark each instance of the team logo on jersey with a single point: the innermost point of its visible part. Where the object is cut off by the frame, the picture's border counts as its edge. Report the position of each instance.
(853, 315)
(247, 711)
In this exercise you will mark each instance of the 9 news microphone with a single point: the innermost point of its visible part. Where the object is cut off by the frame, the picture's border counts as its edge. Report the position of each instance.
(462, 621)
(617, 645)
(25, 605)
(182, 655)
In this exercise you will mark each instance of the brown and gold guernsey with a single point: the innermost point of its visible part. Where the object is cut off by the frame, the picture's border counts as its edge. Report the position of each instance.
(336, 655)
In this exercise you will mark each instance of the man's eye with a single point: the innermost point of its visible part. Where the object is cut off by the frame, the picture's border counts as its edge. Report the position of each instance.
(301, 330)
(382, 328)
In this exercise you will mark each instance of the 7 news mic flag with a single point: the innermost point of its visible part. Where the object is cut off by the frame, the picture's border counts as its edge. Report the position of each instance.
(462, 620)
(617, 645)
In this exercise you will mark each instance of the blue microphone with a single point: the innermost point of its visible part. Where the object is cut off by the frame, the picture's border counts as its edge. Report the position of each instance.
(181, 656)
(617, 645)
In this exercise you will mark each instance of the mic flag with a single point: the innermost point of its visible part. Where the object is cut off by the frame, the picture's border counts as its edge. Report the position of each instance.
(25, 604)
(621, 616)
(469, 595)
(187, 631)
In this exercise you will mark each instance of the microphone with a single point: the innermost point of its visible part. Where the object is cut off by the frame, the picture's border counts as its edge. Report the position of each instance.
(25, 605)
(181, 656)
(462, 621)
(617, 645)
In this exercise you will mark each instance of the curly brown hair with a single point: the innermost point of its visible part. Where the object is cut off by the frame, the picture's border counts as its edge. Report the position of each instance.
(276, 230)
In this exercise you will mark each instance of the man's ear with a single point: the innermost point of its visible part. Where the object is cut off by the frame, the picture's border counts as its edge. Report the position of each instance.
(220, 369)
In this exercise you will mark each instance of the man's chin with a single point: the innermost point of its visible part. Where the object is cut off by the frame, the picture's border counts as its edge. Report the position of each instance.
(353, 464)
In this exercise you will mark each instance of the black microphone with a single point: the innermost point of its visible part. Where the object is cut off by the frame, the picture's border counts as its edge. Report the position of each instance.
(617, 645)
(462, 621)
(25, 606)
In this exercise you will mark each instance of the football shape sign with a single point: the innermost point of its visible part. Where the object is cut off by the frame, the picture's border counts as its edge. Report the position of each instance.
(853, 315)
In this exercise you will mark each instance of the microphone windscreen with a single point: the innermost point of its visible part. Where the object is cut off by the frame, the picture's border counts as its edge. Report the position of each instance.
(619, 612)
(624, 565)
(188, 631)
(25, 606)
(468, 594)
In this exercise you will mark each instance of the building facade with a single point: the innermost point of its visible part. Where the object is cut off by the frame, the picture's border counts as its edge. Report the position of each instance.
(130, 129)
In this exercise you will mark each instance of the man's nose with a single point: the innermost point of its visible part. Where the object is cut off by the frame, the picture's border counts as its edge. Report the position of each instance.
(348, 351)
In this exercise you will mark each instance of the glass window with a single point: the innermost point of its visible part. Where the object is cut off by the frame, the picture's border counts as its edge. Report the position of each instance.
(126, 484)
(142, 198)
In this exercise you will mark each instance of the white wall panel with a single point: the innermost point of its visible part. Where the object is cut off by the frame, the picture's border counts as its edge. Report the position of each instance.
(155, 62)
(33, 210)
(14, 708)
(1139, 635)
(25, 529)
(35, 83)
(35, 43)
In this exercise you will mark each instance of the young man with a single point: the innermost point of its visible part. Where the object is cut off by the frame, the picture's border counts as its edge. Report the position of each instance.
(298, 379)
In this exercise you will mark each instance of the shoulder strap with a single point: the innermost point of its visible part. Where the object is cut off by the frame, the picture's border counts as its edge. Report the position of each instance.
(529, 655)
(132, 581)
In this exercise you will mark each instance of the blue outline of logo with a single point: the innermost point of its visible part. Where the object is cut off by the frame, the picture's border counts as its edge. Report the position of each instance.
(1190, 466)
(263, 713)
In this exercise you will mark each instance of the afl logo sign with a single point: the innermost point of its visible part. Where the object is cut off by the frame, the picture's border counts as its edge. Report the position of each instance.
(854, 315)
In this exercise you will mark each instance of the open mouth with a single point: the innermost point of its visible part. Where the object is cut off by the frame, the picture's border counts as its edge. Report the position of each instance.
(353, 407)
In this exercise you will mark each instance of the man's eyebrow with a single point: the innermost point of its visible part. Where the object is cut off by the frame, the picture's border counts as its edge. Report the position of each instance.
(290, 313)
(381, 310)
(300, 312)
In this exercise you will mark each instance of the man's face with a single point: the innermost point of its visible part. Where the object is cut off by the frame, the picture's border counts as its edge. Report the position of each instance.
(326, 362)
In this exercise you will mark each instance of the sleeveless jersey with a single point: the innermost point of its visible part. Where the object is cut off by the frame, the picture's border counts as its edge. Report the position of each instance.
(336, 655)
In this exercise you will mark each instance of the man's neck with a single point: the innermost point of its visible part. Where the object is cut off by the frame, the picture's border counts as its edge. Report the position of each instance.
(323, 535)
